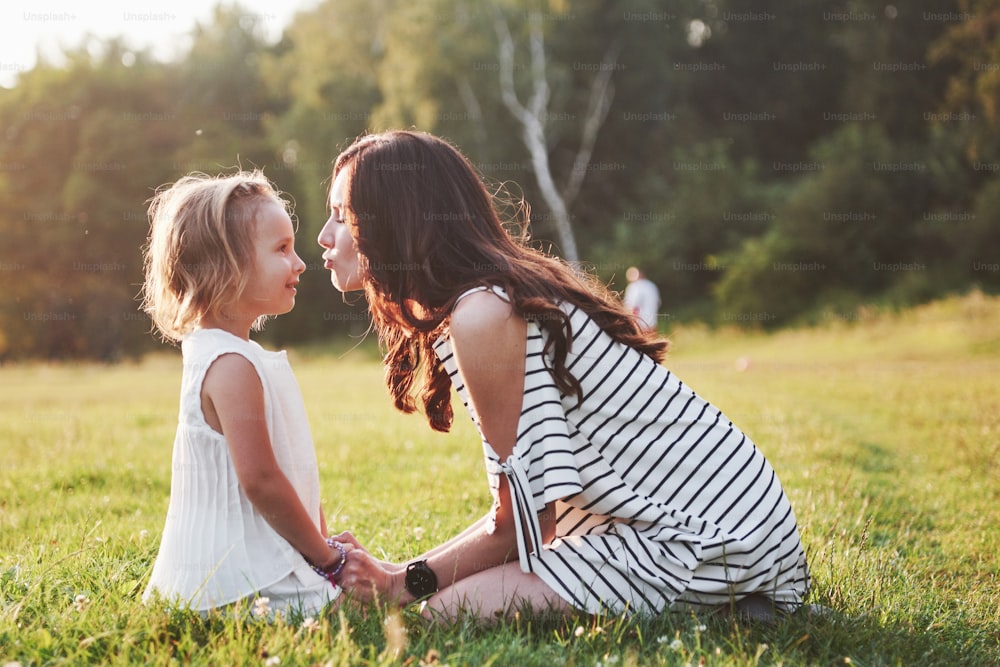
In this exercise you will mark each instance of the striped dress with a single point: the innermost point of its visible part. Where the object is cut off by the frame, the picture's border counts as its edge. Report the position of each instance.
(662, 503)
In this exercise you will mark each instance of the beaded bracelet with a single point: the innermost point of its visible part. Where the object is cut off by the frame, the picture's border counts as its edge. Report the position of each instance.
(329, 576)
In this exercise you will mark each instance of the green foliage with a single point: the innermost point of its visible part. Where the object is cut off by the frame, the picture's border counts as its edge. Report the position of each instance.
(714, 203)
(971, 52)
(741, 136)
(862, 225)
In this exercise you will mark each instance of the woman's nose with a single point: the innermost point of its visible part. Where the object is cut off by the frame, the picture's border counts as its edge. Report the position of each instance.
(326, 235)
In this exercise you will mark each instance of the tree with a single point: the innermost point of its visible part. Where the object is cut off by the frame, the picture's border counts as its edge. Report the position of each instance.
(700, 138)
(95, 138)
(324, 69)
(971, 47)
(74, 214)
(533, 119)
(433, 77)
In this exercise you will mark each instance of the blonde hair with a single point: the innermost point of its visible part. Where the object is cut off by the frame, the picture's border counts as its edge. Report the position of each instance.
(201, 243)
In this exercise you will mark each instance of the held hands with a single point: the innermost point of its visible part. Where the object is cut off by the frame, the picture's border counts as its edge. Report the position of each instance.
(366, 577)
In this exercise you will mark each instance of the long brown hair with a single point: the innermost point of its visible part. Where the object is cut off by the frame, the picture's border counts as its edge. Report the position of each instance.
(427, 229)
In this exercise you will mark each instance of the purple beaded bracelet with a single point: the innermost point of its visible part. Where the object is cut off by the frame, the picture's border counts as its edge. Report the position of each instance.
(329, 576)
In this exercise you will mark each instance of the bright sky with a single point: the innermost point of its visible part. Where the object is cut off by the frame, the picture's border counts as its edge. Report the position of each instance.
(27, 25)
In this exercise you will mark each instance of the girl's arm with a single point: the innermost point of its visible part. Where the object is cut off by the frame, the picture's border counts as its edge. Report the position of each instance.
(233, 398)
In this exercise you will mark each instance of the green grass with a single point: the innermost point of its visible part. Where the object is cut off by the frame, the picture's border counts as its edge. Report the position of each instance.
(885, 431)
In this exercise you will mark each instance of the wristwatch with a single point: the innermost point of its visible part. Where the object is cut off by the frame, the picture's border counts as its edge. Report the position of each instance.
(420, 580)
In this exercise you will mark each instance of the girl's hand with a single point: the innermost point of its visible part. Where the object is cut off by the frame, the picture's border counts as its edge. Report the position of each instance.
(346, 538)
(351, 544)
(366, 577)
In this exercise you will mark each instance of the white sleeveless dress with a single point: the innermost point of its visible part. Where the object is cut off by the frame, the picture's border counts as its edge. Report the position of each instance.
(662, 503)
(216, 548)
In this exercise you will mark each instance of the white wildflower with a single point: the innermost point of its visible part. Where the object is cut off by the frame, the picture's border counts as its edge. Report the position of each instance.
(676, 645)
(80, 603)
(272, 661)
(310, 624)
(262, 606)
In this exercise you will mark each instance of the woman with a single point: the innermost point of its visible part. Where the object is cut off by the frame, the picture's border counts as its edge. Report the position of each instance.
(616, 489)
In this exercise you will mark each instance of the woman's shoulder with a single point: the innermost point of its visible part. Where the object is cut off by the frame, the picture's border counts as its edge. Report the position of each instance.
(480, 311)
(485, 323)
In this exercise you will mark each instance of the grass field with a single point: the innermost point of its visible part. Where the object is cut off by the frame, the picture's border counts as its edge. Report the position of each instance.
(884, 428)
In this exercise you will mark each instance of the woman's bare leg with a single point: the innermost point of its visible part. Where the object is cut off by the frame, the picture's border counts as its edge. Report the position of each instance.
(494, 593)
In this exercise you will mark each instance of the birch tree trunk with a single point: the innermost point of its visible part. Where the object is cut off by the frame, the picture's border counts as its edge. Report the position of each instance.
(534, 114)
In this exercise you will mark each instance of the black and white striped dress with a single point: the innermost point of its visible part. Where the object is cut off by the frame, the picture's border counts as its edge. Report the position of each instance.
(662, 502)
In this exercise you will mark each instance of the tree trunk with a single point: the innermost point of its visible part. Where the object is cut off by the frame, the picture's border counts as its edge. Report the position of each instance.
(533, 116)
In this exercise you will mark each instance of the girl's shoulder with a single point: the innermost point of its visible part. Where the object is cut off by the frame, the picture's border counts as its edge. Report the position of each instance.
(211, 337)
(205, 345)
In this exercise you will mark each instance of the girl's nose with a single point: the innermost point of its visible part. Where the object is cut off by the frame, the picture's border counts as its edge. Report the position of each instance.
(300, 267)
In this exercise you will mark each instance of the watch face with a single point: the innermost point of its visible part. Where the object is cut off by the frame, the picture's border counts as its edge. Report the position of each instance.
(420, 580)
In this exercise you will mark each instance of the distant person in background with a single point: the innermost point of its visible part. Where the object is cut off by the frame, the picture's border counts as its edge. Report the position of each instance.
(616, 488)
(244, 521)
(642, 298)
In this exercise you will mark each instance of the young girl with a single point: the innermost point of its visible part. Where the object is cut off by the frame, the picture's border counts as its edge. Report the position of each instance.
(244, 519)
(617, 489)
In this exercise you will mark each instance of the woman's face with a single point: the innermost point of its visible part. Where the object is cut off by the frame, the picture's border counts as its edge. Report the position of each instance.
(340, 254)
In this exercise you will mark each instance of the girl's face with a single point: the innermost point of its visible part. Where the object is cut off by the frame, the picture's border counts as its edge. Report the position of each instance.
(276, 268)
(340, 255)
